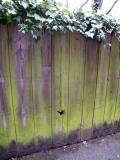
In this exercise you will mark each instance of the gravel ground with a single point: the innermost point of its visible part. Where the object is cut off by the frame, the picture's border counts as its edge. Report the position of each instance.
(107, 148)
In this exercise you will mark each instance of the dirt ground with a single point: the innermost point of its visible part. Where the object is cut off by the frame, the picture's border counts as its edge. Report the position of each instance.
(107, 148)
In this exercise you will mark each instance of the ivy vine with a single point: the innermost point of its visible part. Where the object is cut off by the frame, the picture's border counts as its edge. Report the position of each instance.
(33, 17)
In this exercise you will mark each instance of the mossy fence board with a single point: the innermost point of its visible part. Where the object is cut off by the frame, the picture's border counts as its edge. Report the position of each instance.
(59, 90)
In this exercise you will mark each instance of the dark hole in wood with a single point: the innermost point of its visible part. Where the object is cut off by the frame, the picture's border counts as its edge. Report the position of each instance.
(61, 112)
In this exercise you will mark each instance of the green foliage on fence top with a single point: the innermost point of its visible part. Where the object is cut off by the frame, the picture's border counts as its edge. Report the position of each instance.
(32, 17)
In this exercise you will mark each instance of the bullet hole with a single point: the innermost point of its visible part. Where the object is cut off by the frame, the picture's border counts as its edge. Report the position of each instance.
(61, 112)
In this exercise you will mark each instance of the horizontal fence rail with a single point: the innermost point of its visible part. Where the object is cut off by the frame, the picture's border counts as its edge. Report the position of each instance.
(59, 90)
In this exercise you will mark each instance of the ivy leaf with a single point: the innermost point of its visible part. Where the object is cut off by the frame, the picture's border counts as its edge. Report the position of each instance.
(53, 15)
(12, 11)
(30, 14)
(49, 20)
(34, 36)
(66, 11)
(55, 28)
(23, 31)
(17, 19)
(90, 33)
(42, 19)
(24, 4)
(70, 28)
(37, 17)
(61, 28)
(99, 26)
(48, 13)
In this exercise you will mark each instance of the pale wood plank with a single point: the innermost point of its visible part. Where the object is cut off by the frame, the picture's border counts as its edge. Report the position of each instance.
(58, 136)
(21, 84)
(112, 86)
(42, 90)
(64, 47)
(89, 88)
(102, 80)
(76, 80)
(4, 80)
(116, 113)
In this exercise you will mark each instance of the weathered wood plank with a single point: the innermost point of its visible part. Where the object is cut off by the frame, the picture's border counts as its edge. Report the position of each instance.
(102, 80)
(37, 88)
(112, 85)
(89, 88)
(115, 74)
(8, 116)
(12, 104)
(21, 83)
(64, 46)
(42, 90)
(116, 115)
(81, 62)
(58, 136)
(4, 138)
(76, 76)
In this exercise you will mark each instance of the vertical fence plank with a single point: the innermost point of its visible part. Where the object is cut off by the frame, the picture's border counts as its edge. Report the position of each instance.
(82, 51)
(21, 84)
(4, 81)
(102, 79)
(112, 87)
(73, 89)
(89, 88)
(37, 89)
(13, 100)
(115, 111)
(76, 73)
(114, 76)
(18, 82)
(47, 84)
(42, 69)
(56, 90)
(117, 106)
(64, 81)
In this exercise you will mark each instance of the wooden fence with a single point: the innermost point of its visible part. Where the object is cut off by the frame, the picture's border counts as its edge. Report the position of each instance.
(60, 90)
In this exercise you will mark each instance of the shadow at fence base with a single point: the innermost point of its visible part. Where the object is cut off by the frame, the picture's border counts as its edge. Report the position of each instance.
(18, 149)
(106, 129)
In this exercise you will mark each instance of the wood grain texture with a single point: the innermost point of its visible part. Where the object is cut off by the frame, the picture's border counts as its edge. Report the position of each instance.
(102, 80)
(76, 78)
(116, 51)
(58, 90)
(64, 45)
(4, 81)
(90, 80)
(42, 70)
(112, 84)
(58, 136)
